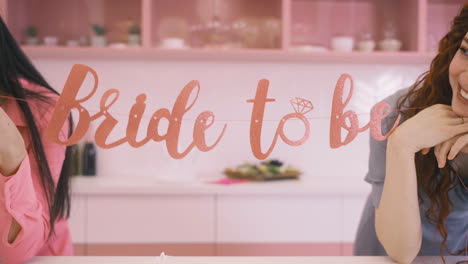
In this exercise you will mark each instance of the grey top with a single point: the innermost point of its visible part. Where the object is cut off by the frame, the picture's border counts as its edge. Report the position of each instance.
(367, 244)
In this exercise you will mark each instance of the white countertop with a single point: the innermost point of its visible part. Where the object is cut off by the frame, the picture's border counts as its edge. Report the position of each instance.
(234, 260)
(97, 185)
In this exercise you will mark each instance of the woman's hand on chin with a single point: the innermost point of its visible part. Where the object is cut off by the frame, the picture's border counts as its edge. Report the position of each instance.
(449, 149)
(430, 127)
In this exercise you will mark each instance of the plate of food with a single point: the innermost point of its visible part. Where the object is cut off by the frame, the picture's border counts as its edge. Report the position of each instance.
(267, 170)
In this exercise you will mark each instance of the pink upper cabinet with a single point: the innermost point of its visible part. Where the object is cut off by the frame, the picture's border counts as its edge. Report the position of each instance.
(439, 16)
(317, 22)
(271, 25)
(72, 20)
(220, 24)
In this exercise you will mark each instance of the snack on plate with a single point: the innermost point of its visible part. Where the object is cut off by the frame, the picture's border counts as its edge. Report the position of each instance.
(264, 171)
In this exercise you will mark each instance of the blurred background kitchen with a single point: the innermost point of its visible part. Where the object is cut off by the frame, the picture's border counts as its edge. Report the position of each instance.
(141, 201)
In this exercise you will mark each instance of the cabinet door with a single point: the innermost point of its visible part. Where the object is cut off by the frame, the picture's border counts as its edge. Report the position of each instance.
(150, 219)
(353, 207)
(77, 220)
(290, 219)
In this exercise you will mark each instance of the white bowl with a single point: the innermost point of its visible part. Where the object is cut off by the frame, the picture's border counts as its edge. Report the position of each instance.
(343, 43)
(173, 43)
(366, 45)
(309, 48)
(50, 41)
(73, 43)
(390, 45)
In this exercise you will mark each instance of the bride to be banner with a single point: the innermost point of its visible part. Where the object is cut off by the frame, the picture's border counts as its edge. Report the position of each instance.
(344, 123)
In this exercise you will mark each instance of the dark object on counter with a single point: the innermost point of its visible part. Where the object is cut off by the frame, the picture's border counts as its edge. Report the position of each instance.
(273, 163)
(75, 157)
(89, 159)
(261, 177)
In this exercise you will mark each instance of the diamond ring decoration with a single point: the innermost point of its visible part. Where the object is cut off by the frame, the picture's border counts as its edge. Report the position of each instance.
(301, 106)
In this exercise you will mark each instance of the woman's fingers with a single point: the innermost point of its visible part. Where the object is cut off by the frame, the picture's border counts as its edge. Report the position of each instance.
(443, 152)
(437, 154)
(457, 146)
(461, 128)
(425, 151)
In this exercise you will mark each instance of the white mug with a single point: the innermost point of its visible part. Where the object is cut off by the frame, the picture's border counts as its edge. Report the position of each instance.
(173, 43)
(50, 41)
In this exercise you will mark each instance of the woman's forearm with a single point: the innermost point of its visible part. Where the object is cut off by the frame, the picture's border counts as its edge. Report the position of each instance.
(397, 219)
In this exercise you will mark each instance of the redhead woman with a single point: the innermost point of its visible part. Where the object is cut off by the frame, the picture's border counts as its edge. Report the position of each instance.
(419, 201)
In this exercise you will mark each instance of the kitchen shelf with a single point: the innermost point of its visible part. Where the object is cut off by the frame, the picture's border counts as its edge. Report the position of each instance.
(417, 23)
(248, 55)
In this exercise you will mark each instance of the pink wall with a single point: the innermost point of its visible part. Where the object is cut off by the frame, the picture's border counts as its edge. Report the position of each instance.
(225, 86)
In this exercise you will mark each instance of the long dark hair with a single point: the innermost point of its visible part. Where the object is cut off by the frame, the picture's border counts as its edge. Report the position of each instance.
(14, 64)
(433, 87)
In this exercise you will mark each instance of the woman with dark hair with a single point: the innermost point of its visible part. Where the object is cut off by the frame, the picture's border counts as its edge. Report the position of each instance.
(419, 201)
(34, 173)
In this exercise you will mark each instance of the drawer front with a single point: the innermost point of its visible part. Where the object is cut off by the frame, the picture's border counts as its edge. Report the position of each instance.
(353, 207)
(149, 219)
(77, 220)
(278, 219)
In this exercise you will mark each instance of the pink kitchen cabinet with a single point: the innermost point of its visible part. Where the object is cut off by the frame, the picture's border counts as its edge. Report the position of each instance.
(316, 22)
(78, 223)
(279, 225)
(72, 20)
(440, 13)
(146, 218)
(219, 24)
(150, 219)
(351, 208)
(266, 218)
(78, 218)
(147, 225)
(417, 23)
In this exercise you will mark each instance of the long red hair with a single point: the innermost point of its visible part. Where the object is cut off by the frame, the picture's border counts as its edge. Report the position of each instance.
(433, 87)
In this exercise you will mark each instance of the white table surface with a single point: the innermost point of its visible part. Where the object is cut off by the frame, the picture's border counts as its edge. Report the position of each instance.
(234, 260)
